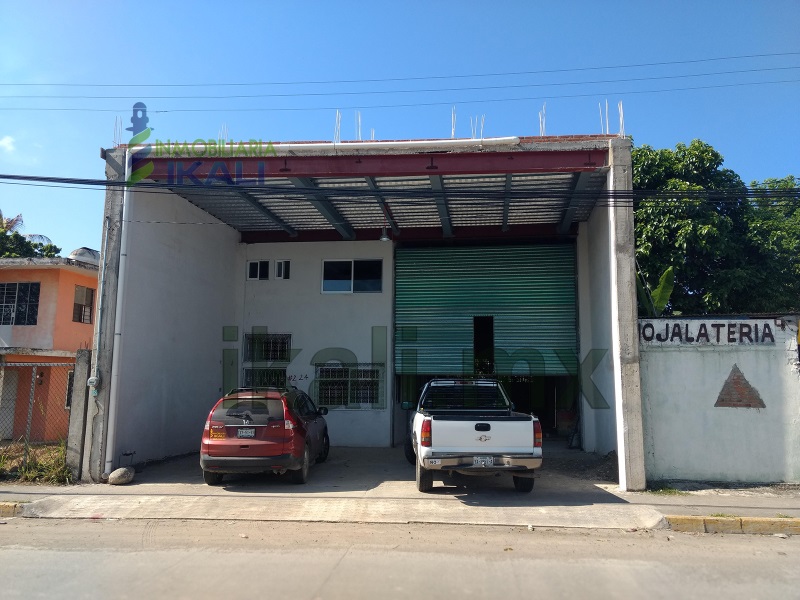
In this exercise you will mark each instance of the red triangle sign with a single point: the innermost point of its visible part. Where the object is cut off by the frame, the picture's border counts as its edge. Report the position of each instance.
(738, 393)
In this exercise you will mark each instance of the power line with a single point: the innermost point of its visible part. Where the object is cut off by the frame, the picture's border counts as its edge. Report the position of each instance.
(419, 91)
(405, 105)
(419, 78)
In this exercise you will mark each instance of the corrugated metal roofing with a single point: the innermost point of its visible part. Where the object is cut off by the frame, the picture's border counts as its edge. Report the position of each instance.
(410, 202)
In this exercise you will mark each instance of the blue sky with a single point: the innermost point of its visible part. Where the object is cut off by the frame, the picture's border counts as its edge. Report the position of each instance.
(427, 45)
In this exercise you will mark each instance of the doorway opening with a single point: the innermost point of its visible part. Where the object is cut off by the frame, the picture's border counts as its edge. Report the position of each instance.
(483, 346)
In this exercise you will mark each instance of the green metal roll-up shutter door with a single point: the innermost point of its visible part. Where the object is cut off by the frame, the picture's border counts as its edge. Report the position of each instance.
(529, 290)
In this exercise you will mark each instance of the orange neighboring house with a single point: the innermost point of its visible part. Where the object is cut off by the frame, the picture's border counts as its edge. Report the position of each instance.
(47, 313)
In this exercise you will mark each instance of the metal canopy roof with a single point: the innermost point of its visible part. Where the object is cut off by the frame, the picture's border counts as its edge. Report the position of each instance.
(519, 189)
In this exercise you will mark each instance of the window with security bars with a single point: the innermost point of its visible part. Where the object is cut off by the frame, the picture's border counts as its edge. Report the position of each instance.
(267, 347)
(83, 308)
(264, 378)
(19, 303)
(349, 385)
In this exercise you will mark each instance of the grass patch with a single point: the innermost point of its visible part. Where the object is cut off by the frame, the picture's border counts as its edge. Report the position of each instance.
(783, 516)
(663, 489)
(724, 515)
(46, 463)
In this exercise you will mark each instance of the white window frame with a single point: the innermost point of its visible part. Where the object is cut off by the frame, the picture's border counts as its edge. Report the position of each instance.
(259, 264)
(281, 268)
(352, 262)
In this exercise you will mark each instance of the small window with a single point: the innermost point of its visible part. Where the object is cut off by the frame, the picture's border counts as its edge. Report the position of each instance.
(352, 276)
(264, 378)
(258, 269)
(337, 276)
(349, 385)
(367, 275)
(19, 303)
(267, 347)
(83, 308)
(281, 269)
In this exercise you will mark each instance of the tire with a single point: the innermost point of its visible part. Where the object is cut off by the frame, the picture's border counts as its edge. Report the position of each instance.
(424, 478)
(212, 478)
(523, 484)
(408, 450)
(326, 448)
(300, 476)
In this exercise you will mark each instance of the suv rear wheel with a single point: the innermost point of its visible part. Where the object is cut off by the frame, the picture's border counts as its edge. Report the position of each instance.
(212, 478)
(326, 448)
(301, 474)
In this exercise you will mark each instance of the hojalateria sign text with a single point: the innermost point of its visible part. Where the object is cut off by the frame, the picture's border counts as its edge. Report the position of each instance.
(710, 332)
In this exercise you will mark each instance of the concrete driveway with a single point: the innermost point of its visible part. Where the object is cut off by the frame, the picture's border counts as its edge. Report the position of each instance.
(369, 485)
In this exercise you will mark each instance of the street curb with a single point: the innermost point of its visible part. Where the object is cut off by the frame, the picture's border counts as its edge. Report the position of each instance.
(757, 525)
(10, 509)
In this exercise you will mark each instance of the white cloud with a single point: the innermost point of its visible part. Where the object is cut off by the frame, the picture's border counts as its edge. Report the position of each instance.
(7, 143)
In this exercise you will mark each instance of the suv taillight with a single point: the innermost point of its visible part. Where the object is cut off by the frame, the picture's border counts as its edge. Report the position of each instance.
(214, 430)
(290, 421)
(425, 434)
(537, 434)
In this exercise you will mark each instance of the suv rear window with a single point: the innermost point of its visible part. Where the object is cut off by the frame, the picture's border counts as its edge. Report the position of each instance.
(257, 411)
(464, 396)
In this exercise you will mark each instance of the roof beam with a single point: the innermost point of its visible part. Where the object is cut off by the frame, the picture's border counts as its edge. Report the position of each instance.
(324, 206)
(580, 186)
(506, 201)
(259, 170)
(387, 213)
(441, 205)
(253, 201)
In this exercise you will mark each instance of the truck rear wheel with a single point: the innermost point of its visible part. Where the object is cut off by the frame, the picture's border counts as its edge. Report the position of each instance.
(424, 479)
(523, 484)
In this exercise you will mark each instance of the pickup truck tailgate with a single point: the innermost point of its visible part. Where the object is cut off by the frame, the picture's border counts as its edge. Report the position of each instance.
(474, 434)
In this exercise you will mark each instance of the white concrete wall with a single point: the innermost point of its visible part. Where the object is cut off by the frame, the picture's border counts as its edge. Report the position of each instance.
(687, 437)
(594, 321)
(179, 291)
(318, 321)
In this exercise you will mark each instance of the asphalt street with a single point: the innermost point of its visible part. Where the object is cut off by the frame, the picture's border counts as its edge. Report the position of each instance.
(51, 558)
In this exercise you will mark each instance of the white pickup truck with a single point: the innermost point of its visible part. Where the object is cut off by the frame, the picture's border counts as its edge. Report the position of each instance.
(469, 426)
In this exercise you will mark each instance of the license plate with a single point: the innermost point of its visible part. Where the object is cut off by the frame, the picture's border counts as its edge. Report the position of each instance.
(246, 432)
(483, 461)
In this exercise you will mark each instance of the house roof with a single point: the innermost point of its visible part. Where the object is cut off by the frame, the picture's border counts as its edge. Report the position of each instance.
(49, 263)
(412, 189)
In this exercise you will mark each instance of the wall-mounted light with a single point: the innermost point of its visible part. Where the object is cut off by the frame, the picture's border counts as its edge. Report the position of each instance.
(40, 378)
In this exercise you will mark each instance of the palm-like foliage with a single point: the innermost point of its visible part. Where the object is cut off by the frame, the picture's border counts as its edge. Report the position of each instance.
(16, 225)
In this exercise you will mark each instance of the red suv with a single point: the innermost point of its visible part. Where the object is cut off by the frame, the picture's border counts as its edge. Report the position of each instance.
(256, 431)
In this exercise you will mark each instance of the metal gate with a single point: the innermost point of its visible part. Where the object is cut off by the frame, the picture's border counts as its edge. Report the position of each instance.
(528, 291)
(35, 400)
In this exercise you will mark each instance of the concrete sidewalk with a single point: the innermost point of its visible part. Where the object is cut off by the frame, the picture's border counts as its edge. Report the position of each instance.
(377, 486)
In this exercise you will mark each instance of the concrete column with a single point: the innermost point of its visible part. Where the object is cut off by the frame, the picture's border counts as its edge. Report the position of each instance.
(77, 412)
(97, 409)
(625, 340)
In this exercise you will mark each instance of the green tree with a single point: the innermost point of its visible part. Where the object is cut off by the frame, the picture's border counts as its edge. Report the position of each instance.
(15, 245)
(774, 228)
(729, 255)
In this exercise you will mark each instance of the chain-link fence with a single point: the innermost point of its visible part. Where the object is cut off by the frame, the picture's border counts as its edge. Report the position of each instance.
(35, 401)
